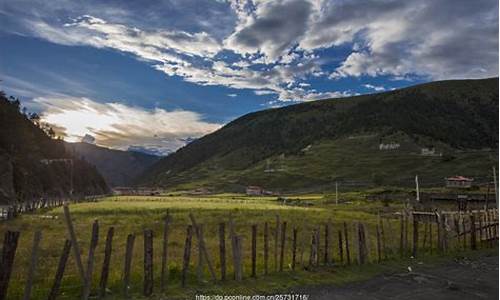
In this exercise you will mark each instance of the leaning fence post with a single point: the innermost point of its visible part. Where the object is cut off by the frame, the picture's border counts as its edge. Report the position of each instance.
(148, 262)
(222, 250)
(74, 243)
(282, 252)
(105, 265)
(201, 241)
(60, 271)
(8, 253)
(31, 271)
(187, 254)
(254, 250)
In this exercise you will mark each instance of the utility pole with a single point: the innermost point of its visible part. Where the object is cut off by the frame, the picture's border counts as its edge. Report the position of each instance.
(496, 184)
(418, 190)
(336, 193)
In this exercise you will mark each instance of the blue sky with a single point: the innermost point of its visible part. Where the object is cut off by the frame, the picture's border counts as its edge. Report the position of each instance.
(153, 73)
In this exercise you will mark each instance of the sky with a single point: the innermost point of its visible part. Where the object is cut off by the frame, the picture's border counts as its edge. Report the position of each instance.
(153, 75)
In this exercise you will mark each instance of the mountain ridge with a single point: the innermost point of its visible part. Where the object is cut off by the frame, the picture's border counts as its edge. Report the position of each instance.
(448, 112)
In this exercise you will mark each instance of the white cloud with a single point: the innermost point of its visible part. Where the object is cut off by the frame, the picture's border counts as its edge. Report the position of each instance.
(187, 55)
(119, 126)
(374, 87)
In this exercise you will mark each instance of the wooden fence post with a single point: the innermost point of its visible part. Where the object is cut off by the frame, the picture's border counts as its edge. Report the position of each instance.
(222, 250)
(33, 262)
(54, 291)
(199, 268)
(318, 243)
(401, 236)
(266, 247)
(276, 239)
(382, 236)
(282, 252)
(107, 260)
(379, 247)
(294, 248)
(8, 254)
(481, 230)
(239, 258)
(456, 224)
(201, 241)
(415, 235)
(347, 250)
(234, 246)
(473, 244)
(74, 243)
(361, 254)
(312, 254)
(407, 229)
(128, 262)
(187, 254)
(254, 250)
(90, 261)
(464, 229)
(164, 254)
(148, 263)
(341, 252)
(327, 244)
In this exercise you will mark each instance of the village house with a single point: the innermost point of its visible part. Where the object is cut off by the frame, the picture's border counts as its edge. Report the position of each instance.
(458, 182)
(430, 152)
(254, 190)
(391, 146)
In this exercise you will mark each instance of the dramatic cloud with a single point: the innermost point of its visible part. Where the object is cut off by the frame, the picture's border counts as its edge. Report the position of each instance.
(438, 39)
(119, 126)
(272, 30)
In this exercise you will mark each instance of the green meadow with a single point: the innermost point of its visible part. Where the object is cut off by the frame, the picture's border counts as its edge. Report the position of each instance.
(134, 214)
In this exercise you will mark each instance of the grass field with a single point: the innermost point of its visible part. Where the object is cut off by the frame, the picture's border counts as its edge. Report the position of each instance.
(134, 214)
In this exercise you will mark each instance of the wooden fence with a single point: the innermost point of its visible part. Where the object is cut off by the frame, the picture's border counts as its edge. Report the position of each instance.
(419, 232)
(8, 212)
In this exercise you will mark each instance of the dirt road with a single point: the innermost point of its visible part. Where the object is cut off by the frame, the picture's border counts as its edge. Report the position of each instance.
(461, 279)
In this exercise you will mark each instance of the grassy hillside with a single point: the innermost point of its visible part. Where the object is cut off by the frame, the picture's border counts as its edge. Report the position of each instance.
(117, 167)
(458, 118)
(24, 148)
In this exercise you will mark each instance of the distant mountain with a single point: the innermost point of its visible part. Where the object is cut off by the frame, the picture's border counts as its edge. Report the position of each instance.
(34, 165)
(119, 168)
(149, 151)
(375, 139)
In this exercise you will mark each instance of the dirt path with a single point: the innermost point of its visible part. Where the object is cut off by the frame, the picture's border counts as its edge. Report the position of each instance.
(461, 279)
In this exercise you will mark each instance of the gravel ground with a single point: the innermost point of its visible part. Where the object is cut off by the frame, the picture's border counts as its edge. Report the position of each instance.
(462, 279)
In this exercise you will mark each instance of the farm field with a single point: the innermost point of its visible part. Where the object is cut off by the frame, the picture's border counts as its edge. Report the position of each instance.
(134, 214)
